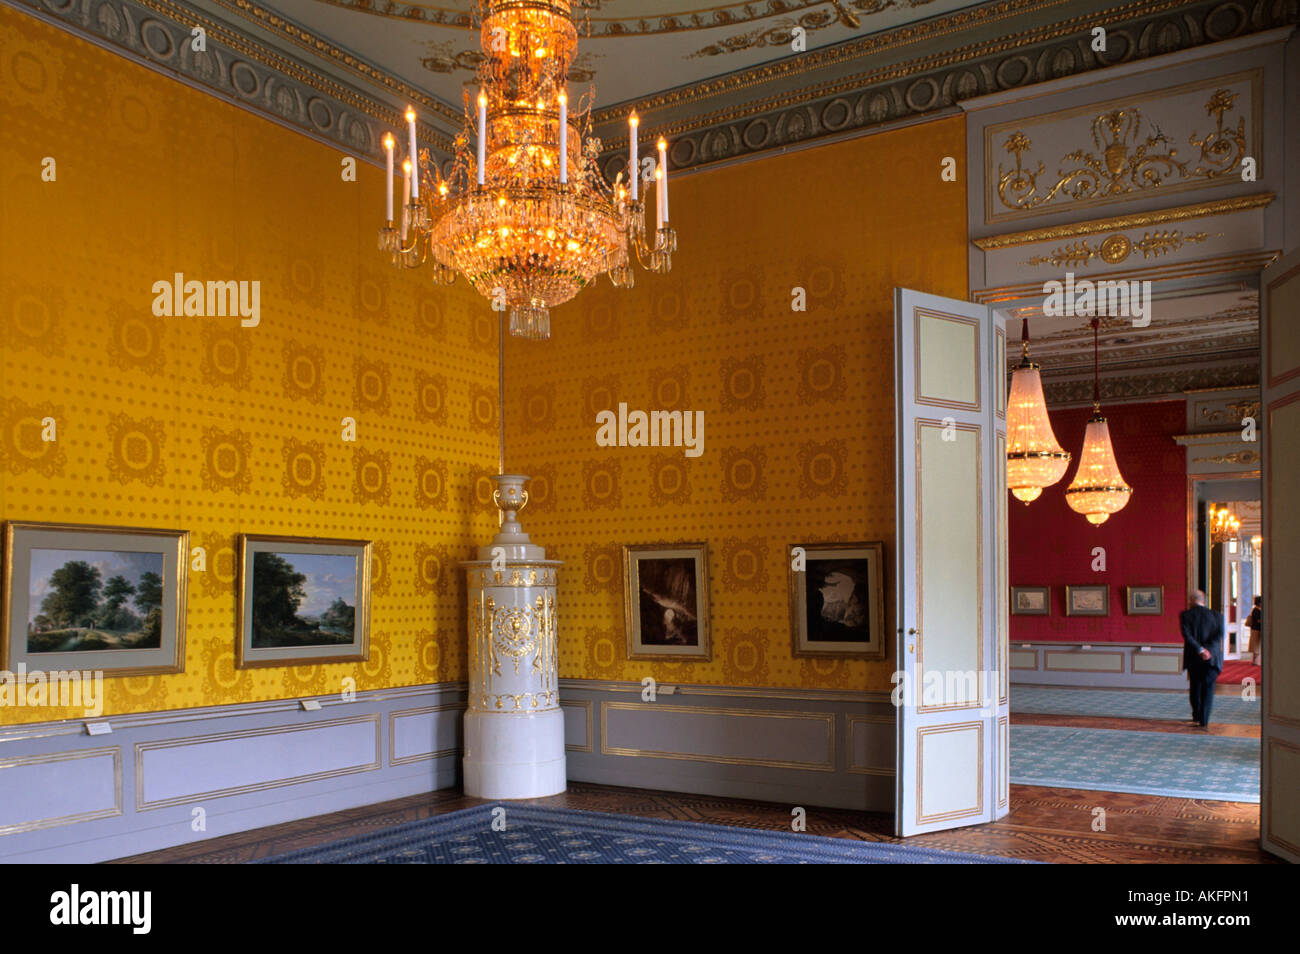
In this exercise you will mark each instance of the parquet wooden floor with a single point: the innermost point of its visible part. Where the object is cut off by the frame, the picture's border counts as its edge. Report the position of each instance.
(1045, 824)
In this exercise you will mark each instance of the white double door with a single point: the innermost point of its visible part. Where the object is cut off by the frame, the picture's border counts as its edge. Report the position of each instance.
(951, 564)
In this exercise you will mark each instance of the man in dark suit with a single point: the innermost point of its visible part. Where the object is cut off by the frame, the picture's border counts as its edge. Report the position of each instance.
(1202, 655)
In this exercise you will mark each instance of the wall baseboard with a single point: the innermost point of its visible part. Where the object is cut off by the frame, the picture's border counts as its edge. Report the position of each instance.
(804, 747)
(66, 796)
(69, 797)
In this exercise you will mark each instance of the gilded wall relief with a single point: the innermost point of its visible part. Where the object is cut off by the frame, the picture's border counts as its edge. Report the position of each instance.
(1117, 248)
(1124, 147)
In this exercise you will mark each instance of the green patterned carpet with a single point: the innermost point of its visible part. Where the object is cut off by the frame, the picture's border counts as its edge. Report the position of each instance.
(1229, 706)
(1148, 763)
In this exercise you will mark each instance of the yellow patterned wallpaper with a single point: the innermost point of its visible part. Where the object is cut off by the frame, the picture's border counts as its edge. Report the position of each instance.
(798, 407)
(199, 423)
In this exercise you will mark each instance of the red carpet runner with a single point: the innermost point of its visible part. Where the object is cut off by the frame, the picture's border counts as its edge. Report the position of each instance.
(1235, 670)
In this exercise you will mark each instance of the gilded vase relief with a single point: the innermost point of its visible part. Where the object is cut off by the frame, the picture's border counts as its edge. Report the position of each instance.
(504, 639)
(1131, 155)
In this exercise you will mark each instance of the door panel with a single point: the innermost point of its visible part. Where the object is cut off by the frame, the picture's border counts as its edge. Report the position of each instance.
(948, 770)
(1280, 731)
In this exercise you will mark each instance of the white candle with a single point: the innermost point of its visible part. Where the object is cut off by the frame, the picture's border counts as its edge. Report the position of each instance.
(663, 165)
(633, 173)
(659, 198)
(415, 158)
(564, 138)
(482, 135)
(388, 197)
(406, 195)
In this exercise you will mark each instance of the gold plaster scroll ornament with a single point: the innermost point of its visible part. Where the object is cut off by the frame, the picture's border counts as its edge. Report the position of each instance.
(1116, 248)
(1237, 457)
(1124, 162)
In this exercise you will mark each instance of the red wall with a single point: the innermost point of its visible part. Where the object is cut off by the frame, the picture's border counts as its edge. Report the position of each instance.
(1146, 542)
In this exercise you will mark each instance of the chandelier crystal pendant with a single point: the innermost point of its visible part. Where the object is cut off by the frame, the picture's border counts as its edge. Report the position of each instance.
(1034, 457)
(525, 214)
(1098, 489)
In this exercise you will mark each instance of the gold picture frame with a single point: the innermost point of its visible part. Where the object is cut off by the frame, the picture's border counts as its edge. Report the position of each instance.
(315, 555)
(857, 571)
(124, 552)
(666, 608)
(1087, 600)
(1144, 600)
(1031, 601)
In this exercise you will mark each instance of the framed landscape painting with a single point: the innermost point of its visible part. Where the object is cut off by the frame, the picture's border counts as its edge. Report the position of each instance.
(666, 601)
(837, 601)
(1087, 600)
(1145, 600)
(103, 599)
(1031, 600)
(302, 601)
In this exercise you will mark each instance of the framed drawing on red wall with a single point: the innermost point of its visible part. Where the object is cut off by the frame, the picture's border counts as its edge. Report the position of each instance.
(1031, 600)
(1145, 600)
(1087, 600)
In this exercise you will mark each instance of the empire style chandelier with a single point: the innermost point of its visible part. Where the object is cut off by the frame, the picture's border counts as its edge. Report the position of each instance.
(1034, 458)
(1098, 489)
(524, 213)
(1224, 525)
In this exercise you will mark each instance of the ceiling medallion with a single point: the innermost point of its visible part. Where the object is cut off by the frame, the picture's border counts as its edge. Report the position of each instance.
(1098, 489)
(524, 213)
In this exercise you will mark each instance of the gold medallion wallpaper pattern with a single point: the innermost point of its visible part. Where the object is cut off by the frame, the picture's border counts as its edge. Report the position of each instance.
(201, 424)
(798, 406)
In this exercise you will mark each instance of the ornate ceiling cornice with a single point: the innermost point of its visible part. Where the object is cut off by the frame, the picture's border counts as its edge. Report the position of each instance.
(306, 40)
(1148, 386)
(996, 46)
(237, 67)
(1017, 55)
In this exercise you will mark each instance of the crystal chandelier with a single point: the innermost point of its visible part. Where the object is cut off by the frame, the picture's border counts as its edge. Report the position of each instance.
(1098, 489)
(524, 214)
(1224, 524)
(1034, 458)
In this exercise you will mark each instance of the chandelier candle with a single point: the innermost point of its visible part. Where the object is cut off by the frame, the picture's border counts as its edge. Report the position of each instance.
(564, 139)
(388, 195)
(663, 164)
(415, 159)
(633, 174)
(406, 196)
(482, 136)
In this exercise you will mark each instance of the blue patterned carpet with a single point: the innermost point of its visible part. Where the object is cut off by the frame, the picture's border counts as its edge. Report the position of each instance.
(1229, 707)
(1148, 763)
(567, 836)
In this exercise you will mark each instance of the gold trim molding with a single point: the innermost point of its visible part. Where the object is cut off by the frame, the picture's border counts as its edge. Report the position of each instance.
(1133, 220)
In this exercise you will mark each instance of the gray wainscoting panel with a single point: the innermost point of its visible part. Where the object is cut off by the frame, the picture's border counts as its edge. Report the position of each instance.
(170, 778)
(805, 747)
(1100, 665)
